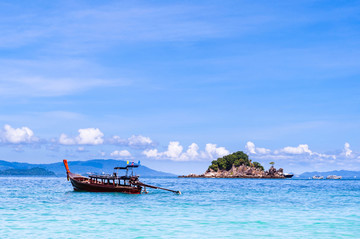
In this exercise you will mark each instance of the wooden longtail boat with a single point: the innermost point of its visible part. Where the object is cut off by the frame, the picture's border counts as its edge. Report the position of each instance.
(110, 183)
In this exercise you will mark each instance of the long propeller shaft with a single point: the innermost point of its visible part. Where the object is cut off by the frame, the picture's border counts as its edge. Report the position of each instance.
(155, 187)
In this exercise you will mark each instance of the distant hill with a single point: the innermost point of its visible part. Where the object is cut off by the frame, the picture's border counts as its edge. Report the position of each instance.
(83, 167)
(27, 172)
(344, 173)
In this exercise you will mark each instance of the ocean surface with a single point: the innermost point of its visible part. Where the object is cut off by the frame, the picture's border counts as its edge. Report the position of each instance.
(44, 207)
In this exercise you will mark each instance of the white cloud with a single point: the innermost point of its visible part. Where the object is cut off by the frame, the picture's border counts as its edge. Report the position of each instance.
(215, 152)
(250, 146)
(289, 152)
(151, 153)
(347, 150)
(175, 152)
(252, 149)
(139, 140)
(17, 135)
(135, 141)
(117, 140)
(90, 136)
(93, 136)
(190, 154)
(120, 154)
(66, 140)
(301, 149)
(192, 151)
(263, 150)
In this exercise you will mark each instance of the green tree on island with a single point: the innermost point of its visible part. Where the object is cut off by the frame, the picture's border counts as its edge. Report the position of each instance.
(238, 158)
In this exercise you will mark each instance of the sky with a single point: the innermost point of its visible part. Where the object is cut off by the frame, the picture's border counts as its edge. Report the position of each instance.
(177, 84)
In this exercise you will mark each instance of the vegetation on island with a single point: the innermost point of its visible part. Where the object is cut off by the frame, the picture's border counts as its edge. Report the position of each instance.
(28, 172)
(237, 159)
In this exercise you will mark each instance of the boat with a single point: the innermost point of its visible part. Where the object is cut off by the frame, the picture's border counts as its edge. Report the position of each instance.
(318, 177)
(288, 175)
(128, 183)
(333, 177)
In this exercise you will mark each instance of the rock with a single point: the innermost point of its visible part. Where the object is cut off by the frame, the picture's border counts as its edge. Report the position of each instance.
(209, 174)
(272, 171)
(241, 171)
(249, 171)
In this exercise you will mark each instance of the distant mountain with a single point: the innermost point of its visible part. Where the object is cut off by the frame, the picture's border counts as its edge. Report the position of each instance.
(344, 173)
(83, 167)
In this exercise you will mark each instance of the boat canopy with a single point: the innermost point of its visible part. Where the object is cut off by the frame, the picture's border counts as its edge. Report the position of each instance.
(128, 166)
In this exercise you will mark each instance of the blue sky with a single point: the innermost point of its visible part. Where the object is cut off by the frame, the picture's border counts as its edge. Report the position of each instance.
(177, 84)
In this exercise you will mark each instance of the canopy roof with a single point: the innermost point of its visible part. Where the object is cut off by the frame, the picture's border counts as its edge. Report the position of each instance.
(128, 166)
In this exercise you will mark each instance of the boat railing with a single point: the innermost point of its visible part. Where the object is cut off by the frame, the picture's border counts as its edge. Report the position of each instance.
(111, 177)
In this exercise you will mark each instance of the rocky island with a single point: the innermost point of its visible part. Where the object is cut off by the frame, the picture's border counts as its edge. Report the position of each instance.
(237, 165)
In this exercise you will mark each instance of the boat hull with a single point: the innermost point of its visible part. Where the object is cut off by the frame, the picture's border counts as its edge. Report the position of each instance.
(333, 177)
(84, 185)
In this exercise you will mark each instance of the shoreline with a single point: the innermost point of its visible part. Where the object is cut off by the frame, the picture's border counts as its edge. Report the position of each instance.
(248, 177)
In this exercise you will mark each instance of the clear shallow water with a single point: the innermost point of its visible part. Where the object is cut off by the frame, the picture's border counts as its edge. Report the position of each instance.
(207, 208)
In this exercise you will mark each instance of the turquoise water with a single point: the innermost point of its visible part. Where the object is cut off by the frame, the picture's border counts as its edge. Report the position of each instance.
(207, 208)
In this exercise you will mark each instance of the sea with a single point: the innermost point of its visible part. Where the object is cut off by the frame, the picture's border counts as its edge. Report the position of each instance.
(47, 207)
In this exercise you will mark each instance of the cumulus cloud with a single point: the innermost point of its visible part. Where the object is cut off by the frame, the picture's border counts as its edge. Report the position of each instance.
(117, 140)
(93, 136)
(175, 152)
(89, 136)
(214, 152)
(301, 149)
(192, 151)
(347, 150)
(17, 135)
(120, 154)
(139, 140)
(151, 153)
(135, 141)
(287, 152)
(64, 139)
(252, 149)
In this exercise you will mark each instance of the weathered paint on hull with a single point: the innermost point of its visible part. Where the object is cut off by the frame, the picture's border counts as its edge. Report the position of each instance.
(90, 187)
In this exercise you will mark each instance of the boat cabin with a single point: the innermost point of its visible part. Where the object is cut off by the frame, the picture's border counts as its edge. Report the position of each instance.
(115, 179)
